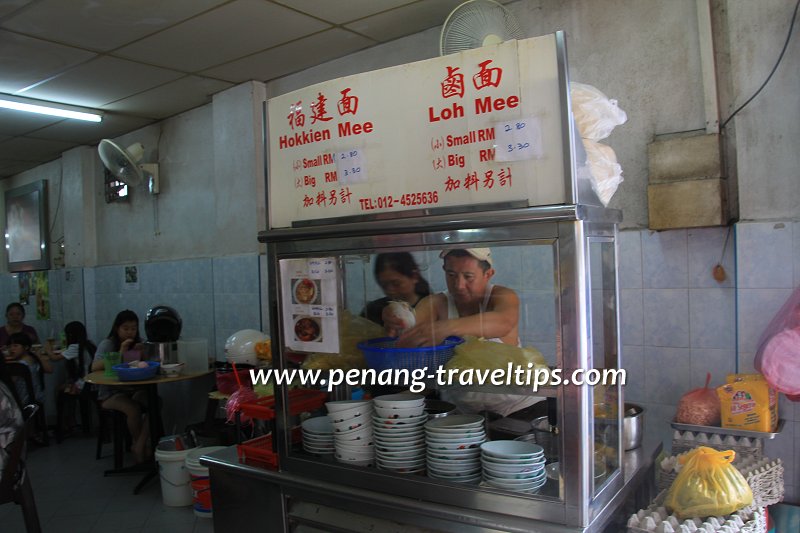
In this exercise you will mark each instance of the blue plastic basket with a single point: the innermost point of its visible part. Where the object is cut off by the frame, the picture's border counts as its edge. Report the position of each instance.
(127, 373)
(381, 354)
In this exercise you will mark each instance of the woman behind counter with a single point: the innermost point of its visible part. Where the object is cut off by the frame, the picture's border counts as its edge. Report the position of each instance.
(15, 317)
(398, 275)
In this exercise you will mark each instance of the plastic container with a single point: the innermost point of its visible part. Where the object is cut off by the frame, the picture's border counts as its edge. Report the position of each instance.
(110, 360)
(380, 354)
(200, 482)
(126, 373)
(193, 352)
(176, 488)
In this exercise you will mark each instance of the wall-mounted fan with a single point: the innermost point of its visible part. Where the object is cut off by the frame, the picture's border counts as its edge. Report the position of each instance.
(477, 23)
(124, 165)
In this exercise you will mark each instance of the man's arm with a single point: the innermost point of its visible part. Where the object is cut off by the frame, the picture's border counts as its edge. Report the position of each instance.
(498, 322)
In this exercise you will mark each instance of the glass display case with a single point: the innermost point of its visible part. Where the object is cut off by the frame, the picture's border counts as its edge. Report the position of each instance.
(560, 261)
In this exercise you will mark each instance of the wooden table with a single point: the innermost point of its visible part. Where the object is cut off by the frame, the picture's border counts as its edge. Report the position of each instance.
(149, 468)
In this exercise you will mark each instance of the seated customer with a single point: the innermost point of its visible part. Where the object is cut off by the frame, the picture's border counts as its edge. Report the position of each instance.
(78, 355)
(124, 335)
(19, 351)
(15, 316)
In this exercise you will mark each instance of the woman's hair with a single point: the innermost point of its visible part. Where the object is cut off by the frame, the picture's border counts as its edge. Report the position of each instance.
(75, 333)
(403, 263)
(123, 316)
(18, 305)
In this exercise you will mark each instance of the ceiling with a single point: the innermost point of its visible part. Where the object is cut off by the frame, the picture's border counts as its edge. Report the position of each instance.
(145, 60)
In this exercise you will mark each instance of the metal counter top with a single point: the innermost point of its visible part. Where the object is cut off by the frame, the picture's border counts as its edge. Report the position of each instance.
(243, 494)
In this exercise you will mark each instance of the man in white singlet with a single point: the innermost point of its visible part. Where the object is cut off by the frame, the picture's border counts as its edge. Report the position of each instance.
(472, 305)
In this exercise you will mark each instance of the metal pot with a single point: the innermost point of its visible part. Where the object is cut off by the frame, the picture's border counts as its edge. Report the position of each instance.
(633, 426)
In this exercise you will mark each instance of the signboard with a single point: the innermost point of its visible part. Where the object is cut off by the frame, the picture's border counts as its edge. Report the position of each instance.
(478, 127)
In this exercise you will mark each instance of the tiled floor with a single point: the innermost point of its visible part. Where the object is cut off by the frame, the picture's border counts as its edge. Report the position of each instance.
(72, 495)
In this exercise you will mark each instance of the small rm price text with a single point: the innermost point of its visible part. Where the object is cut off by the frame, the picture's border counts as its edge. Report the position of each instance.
(405, 200)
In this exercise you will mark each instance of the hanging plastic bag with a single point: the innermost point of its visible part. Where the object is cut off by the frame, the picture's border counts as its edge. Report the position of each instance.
(699, 406)
(595, 114)
(606, 173)
(708, 485)
(778, 355)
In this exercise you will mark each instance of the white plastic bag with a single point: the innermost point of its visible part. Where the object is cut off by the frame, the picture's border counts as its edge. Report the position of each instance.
(595, 114)
(606, 173)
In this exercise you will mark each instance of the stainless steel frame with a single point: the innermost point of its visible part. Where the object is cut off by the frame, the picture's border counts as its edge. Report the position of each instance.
(570, 228)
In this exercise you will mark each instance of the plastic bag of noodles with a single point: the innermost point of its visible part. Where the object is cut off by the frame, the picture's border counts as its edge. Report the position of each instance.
(708, 485)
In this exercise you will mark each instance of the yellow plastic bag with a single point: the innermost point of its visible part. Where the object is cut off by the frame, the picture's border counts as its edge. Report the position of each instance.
(708, 485)
(479, 354)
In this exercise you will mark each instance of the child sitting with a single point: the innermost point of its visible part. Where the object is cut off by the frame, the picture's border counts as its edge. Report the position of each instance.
(19, 351)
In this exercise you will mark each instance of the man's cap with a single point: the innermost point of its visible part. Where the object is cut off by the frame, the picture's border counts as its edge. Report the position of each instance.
(481, 254)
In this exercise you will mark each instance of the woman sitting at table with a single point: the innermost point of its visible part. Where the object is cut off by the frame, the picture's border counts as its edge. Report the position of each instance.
(77, 354)
(15, 316)
(124, 335)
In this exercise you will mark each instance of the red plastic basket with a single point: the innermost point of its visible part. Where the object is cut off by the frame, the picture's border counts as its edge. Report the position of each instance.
(300, 401)
(258, 452)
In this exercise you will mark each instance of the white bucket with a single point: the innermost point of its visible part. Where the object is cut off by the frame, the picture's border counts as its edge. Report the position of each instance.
(193, 352)
(176, 487)
(201, 484)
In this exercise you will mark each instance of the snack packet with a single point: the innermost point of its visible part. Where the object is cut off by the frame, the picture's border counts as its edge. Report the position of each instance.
(748, 402)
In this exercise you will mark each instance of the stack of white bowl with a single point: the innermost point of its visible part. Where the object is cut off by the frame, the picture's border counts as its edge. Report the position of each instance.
(318, 436)
(352, 431)
(399, 438)
(513, 465)
(454, 448)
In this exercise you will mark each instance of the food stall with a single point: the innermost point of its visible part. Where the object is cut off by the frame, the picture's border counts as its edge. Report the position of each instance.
(472, 150)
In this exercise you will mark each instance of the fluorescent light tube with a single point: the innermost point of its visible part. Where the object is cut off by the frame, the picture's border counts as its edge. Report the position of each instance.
(20, 105)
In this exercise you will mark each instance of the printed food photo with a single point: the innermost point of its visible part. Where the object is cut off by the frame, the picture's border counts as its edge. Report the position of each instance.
(307, 329)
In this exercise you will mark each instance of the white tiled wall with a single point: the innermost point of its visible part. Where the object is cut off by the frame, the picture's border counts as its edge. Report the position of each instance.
(768, 262)
(678, 322)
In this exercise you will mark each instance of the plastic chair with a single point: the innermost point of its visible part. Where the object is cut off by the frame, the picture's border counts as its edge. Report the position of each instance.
(21, 372)
(15, 485)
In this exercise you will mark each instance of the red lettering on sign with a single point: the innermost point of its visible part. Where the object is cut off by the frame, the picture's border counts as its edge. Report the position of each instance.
(348, 128)
(487, 104)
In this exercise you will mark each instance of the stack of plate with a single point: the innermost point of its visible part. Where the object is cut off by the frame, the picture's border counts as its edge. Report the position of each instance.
(454, 448)
(399, 437)
(318, 436)
(352, 431)
(513, 465)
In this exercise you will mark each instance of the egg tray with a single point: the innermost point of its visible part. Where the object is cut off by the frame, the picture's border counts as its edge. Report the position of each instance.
(656, 519)
(765, 477)
(745, 447)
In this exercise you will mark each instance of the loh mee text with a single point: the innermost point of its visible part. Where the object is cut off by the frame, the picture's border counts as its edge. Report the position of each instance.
(417, 379)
